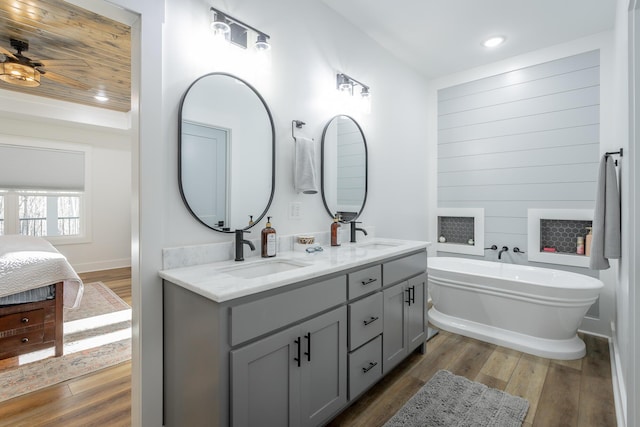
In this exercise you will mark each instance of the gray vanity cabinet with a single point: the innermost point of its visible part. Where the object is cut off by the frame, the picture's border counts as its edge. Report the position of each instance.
(292, 378)
(404, 320)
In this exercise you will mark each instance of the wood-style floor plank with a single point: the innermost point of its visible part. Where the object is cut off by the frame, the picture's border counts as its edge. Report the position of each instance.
(104, 397)
(560, 397)
(527, 381)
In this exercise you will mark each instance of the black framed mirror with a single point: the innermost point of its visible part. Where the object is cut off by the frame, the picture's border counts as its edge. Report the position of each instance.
(226, 152)
(344, 168)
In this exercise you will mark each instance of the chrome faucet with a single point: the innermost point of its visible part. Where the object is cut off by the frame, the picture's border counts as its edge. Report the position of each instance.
(353, 230)
(240, 242)
(504, 249)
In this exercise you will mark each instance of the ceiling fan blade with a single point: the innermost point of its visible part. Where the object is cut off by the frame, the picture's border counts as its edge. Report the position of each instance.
(66, 63)
(6, 52)
(65, 80)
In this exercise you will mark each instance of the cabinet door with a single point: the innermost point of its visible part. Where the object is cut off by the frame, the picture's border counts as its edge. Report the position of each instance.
(265, 382)
(416, 312)
(394, 336)
(324, 367)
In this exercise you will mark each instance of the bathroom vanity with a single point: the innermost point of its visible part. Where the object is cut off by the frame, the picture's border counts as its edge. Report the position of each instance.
(292, 340)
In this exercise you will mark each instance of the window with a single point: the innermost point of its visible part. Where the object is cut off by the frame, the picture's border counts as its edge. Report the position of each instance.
(43, 191)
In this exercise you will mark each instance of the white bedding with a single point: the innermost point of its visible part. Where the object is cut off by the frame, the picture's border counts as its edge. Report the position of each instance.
(28, 262)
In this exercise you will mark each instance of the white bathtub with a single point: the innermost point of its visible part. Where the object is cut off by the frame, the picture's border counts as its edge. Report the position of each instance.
(529, 309)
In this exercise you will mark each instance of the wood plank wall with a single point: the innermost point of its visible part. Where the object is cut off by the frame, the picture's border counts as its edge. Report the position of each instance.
(524, 139)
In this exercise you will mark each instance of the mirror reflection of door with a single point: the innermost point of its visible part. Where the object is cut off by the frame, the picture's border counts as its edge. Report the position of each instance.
(208, 178)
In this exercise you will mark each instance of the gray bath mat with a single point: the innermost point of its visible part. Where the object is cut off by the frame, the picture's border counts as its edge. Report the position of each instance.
(449, 400)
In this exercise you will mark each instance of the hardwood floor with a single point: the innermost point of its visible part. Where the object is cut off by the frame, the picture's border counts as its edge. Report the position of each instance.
(573, 393)
(99, 399)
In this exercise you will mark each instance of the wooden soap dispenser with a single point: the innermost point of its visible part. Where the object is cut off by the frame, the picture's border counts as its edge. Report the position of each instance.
(268, 240)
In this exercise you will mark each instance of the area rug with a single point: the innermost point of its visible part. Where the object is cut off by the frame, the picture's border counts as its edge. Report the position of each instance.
(97, 335)
(450, 400)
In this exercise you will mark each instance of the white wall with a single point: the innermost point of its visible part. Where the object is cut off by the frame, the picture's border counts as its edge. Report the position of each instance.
(301, 85)
(110, 186)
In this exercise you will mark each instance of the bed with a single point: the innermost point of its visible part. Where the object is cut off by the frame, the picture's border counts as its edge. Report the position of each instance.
(36, 283)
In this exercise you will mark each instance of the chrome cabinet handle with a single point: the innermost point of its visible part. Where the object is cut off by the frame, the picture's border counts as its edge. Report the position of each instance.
(370, 321)
(25, 320)
(370, 367)
(368, 281)
(25, 340)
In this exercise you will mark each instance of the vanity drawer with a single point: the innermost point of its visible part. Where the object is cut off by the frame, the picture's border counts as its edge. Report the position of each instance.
(403, 268)
(22, 320)
(262, 316)
(363, 281)
(365, 367)
(365, 320)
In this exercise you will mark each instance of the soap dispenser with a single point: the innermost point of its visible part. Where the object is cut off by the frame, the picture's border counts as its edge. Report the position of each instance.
(268, 240)
(335, 231)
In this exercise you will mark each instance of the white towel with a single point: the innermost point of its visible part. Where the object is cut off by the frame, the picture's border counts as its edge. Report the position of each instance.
(305, 170)
(605, 243)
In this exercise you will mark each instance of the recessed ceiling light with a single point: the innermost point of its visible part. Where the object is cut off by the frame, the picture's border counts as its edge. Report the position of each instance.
(494, 41)
(101, 98)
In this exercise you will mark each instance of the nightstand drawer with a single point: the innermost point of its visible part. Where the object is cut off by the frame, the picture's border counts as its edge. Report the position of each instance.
(365, 320)
(21, 320)
(365, 367)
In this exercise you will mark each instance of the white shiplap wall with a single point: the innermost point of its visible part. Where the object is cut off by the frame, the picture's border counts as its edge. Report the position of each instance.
(527, 138)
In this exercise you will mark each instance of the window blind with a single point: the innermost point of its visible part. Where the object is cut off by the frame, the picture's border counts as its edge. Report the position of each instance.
(31, 168)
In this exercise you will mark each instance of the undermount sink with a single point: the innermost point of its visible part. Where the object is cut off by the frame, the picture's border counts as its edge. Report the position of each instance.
(378, 245)
(262, 268)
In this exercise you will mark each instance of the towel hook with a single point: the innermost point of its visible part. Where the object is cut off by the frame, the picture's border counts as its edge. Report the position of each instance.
(611, 153)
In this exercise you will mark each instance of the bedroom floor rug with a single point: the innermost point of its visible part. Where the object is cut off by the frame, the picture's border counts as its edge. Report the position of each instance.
(97, 335)
(450, 400)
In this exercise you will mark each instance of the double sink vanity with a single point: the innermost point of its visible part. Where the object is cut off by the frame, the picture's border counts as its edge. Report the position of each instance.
(290, 340)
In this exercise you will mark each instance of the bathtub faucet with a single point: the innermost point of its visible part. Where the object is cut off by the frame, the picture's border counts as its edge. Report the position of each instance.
(504, 249)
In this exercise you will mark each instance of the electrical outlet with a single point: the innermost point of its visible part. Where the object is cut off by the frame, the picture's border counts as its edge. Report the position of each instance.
(295, 210)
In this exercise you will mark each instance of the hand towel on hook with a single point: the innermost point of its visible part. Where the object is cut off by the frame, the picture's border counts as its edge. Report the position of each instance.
(605, 243)
(305, 170)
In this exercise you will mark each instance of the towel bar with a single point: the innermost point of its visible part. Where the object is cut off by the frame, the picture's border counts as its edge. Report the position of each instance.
(298, 124)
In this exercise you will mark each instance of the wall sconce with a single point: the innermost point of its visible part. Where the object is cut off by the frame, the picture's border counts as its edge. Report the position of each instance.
(235, 31)
(347, 85)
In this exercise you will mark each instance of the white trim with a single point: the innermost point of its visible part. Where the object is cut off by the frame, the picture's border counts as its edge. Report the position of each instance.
(533, 235)
(617, 379)
(102, 265)
(478, 231)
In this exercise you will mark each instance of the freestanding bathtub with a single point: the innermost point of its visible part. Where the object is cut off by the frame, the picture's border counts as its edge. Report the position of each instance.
(529, 309)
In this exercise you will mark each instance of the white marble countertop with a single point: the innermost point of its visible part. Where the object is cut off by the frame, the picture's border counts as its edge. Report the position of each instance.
(219, 282)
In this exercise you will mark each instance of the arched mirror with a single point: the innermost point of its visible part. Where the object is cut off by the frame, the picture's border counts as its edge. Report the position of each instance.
(344, 168)
(226, 152)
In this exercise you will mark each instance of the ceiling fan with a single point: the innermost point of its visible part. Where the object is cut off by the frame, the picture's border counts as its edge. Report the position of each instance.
(17, 69)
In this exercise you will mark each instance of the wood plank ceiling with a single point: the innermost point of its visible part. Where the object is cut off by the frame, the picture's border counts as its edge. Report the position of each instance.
(85, 54)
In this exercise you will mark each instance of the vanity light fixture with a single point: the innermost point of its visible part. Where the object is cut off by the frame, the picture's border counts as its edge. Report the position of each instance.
(346, 85)
(494, 41)
(235, 31)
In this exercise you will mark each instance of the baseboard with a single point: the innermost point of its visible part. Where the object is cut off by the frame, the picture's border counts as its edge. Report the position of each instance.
(619, 390)
(102, 265)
